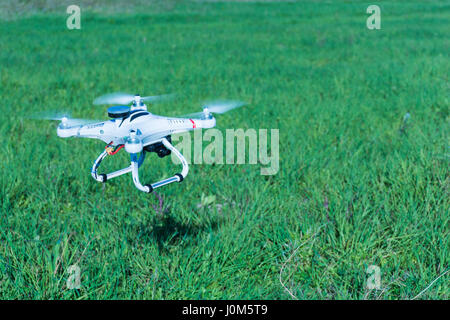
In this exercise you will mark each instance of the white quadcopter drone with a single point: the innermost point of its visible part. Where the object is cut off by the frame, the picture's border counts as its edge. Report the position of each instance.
(139, 131)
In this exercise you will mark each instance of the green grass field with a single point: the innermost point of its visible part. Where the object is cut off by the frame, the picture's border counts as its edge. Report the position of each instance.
(359, 183)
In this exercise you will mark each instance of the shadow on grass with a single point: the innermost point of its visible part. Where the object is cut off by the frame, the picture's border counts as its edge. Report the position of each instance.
(168, 231)
(171, 231)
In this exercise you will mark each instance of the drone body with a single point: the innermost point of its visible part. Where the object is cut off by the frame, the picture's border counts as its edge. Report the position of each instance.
(138, 131)
(149, 127)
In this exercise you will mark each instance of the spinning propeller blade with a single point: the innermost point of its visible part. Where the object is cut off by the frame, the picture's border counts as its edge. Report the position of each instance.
(65, 118)
(219, 107)
(121, 98)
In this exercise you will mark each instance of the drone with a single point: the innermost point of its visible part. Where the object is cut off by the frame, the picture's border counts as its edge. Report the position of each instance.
(133, 128)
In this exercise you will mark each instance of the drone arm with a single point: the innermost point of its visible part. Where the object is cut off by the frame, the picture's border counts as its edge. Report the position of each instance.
(150, 187)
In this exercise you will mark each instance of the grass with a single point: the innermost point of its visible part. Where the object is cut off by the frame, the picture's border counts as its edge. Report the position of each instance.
(359, 184)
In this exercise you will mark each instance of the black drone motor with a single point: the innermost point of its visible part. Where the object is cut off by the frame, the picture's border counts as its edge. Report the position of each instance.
(159, 148)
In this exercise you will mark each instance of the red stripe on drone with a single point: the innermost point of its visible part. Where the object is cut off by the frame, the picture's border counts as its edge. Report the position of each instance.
(193, 124)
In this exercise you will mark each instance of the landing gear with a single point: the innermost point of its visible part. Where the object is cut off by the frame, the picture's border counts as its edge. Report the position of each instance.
(162, 148)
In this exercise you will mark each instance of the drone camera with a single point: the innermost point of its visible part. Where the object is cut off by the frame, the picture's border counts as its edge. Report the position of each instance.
(159, 148)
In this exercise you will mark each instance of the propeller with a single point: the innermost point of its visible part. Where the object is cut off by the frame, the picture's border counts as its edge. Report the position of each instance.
(121, 98)
(219, 107)
(65, 119)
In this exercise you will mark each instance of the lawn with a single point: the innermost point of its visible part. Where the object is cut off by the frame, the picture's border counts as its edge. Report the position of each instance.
(363, 119)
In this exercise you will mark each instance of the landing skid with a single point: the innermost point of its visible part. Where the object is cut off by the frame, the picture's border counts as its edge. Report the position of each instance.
(134, 169)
